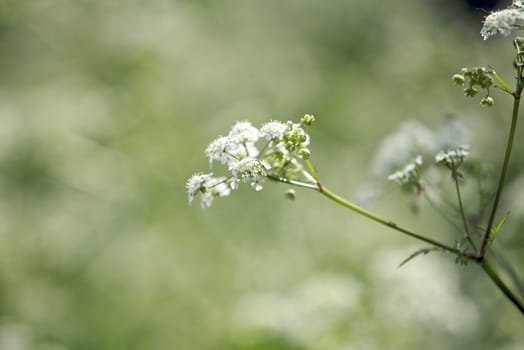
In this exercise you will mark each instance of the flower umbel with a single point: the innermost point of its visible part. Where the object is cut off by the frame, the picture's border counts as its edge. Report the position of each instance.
(503, 21)
(453, 158)
(473, 79)
(280, 157)
(208, 186)
(249, 170)
(409, 176)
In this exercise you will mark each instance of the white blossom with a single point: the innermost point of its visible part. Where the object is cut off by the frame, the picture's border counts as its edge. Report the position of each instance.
(244, 132)
(410, 173)
(215, 187)
(195, 184)
(208, 186)
(273, 130)
(452, 157)
(249, 170)
(222, 149)
(503, 21)
(397, 148)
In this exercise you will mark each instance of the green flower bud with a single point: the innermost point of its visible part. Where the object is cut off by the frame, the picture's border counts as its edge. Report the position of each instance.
(470, 91)
(487, 101)
(304, 153)
(290, 194)
(307, 119)
(458, 79)
(519, 45)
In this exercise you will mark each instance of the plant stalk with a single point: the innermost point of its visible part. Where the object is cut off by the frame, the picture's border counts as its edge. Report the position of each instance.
(486, 266)
(359, 210)
(516, 104)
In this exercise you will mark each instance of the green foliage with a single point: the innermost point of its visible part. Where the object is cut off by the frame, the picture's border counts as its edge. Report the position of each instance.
(421, 251)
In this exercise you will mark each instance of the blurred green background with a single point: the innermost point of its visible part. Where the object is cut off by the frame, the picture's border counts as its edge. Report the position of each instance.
(106, 108)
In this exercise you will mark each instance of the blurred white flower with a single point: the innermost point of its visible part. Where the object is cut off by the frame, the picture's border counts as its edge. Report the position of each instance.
(422, 291)
(503, 21)
(397, 148)
(307, 312)
(452, 157)
(410, 173)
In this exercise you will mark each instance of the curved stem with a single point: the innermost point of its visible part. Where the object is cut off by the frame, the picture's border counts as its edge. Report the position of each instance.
(311, 186)
(505, 165)
(486, 266)
(359, 210)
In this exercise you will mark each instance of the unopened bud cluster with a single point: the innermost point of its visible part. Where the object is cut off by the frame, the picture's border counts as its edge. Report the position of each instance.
(473, 79)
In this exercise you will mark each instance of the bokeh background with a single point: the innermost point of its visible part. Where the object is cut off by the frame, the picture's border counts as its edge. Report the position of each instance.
(106, 108)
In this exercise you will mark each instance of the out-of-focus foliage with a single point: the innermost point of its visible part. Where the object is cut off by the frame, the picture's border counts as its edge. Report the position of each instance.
(105, 110)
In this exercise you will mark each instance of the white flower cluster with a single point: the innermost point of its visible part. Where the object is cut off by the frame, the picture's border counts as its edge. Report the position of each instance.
(410, 174)
(209, 187)
(454, 157)
(285, 144)
(503, 21)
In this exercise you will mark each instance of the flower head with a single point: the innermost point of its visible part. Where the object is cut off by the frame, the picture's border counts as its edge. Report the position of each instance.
(208, 186)
(453, 158)
(503, 21)
(222, 149)
(410, 174)
(273, 130)
(280, 158)
(244, 132)
(249, 170)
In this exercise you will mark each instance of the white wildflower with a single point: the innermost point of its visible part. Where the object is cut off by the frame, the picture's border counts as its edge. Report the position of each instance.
(409, 174)
(249, 170)
(244, 132)
(397, 148)
(209, 187)
(452, 157)
(215, 187)
(222, 149)
(195, 184)
(503, 21)
(273, 130)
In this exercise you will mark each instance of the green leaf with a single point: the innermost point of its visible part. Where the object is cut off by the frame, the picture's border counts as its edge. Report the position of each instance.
(495, 230)
(422, 251)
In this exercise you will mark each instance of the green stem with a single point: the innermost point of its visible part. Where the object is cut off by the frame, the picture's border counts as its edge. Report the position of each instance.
(486, 266)
(359, 210)
(313, 171)
(505, 165)
(311, 186)
(463, 213)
